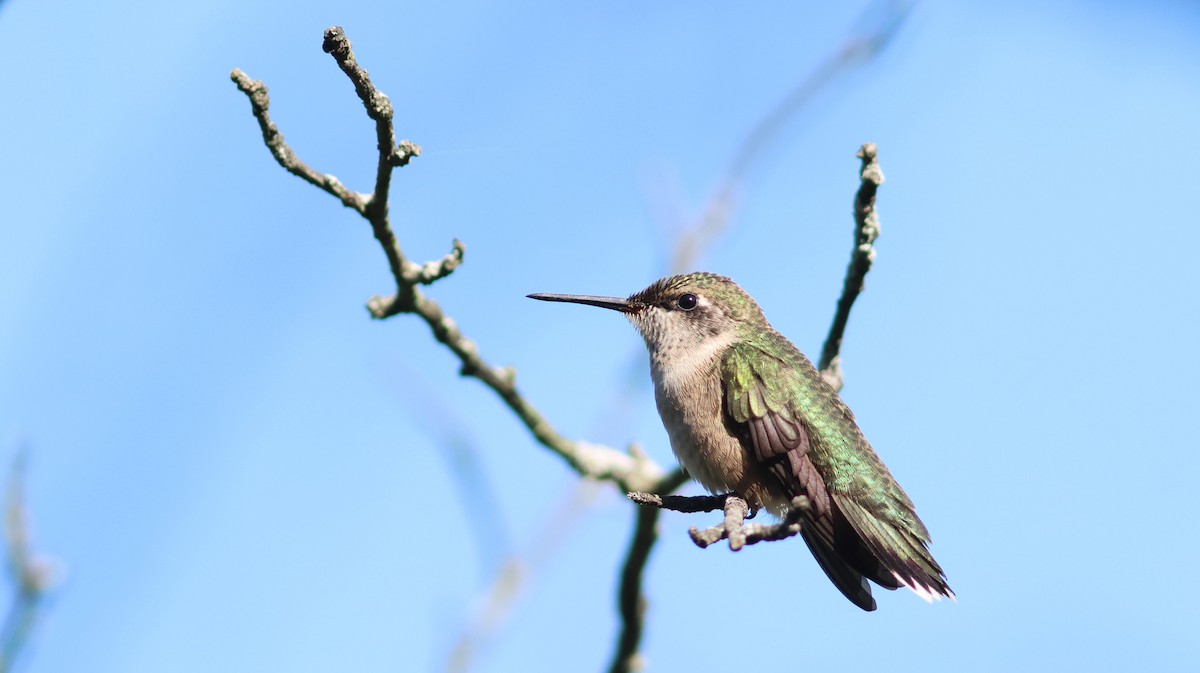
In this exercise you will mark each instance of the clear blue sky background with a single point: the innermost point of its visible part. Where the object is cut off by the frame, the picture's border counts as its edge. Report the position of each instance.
(238, 470)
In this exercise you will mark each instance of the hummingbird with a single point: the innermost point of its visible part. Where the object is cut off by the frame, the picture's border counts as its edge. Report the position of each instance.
(747, 413)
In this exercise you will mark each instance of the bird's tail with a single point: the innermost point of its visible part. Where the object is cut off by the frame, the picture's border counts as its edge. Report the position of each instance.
(844, 576)
(902, 553)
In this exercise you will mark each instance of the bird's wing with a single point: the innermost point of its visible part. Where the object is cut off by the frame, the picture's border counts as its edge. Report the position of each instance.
(854, 531)
(781, 442)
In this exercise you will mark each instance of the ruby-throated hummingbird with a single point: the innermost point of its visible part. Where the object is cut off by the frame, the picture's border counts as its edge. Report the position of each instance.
(747, 413)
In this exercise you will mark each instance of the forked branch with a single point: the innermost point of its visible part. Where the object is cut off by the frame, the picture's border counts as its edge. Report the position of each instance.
(627, 471)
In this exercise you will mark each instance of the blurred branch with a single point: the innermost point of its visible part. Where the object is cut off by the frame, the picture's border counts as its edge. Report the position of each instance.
(480, 502)
(516, 574)
(631, 602)
(877, 24)
(589, 460)
(31, 576)
(866, 230)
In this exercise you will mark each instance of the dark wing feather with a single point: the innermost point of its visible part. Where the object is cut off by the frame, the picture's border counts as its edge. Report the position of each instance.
(843, 575)
(781, 442)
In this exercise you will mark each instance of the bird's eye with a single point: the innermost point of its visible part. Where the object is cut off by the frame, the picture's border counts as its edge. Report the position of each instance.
(687, 301)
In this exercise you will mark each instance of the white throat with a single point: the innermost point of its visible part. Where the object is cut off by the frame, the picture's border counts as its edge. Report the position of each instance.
(673, 366)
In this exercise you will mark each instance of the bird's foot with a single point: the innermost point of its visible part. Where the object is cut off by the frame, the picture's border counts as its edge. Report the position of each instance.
(740, 534)
(733, 526)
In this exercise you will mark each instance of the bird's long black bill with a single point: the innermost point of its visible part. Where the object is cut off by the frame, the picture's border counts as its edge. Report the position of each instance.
(614, 303)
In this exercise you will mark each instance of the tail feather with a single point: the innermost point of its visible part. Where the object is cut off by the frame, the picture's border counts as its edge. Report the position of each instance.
(852, 548)
(905, 555)
(844, 576)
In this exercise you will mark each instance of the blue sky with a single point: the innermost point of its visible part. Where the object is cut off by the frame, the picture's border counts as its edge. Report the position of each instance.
(237, 469)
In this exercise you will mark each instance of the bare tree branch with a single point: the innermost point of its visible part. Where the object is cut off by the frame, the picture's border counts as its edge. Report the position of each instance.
(379, 109)
(260, 103)
(628, 472)
(866, 230)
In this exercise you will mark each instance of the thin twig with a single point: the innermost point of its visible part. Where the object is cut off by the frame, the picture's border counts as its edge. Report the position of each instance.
(379, 109)
(630, 473)
(260, 103)
(682, 503)
(866, 230)
(431, 272)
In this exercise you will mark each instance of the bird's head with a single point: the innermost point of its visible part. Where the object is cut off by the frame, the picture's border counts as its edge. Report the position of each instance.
(680, 311)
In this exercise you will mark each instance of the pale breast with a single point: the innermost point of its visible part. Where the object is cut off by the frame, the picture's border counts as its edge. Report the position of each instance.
(690, 401)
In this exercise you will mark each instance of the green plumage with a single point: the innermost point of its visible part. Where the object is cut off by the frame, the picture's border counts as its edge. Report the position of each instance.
(862, 521)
